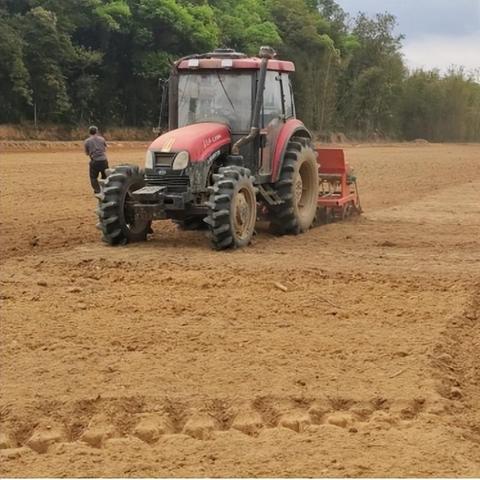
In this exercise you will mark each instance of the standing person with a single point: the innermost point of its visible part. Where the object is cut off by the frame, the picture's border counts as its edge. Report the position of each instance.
(95, 148)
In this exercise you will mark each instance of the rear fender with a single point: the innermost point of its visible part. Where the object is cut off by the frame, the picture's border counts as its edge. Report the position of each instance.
(292, 127)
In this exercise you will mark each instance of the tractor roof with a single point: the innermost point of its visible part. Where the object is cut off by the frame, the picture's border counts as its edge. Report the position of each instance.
(226, 59)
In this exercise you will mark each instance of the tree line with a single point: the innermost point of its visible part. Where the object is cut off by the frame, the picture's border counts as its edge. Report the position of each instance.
(75, 62)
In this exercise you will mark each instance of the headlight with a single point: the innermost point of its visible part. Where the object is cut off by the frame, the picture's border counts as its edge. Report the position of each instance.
(181, 161)
(149, 160)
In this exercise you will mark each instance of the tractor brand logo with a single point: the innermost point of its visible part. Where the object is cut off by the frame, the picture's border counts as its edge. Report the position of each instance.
(208, 141)
(167, 146)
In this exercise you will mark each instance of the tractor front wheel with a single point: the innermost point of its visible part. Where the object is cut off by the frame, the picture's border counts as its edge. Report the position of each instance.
(115, 213)
(232, 208)
(298, 188)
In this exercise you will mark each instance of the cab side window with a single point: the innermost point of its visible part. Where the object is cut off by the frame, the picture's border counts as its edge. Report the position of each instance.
(272, 98)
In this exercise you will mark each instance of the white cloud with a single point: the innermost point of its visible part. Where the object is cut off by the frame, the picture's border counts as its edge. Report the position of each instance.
(424, 17)
(435, 51)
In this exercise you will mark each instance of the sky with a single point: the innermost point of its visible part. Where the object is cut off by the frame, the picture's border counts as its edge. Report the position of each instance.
(438, 33)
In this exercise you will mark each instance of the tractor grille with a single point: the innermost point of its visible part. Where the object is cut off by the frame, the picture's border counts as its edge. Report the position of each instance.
(174, 181)
(164, 159)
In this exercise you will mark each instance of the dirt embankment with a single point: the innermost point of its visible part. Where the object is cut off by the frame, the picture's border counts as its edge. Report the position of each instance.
(59, 133)
(168, 359)
(77, 145)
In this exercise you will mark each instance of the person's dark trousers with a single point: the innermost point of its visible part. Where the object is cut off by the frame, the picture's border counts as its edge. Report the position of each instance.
(97, 167)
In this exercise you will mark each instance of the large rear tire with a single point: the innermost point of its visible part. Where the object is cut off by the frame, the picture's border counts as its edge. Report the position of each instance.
(298, 188)
(115, 213)
(232, 208)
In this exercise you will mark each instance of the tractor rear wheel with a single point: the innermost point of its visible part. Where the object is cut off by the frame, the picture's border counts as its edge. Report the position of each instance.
(115, 213)
(232, 208)
(298, 188)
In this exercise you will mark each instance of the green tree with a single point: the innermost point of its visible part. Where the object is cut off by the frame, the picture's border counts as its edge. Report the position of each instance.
(371, 83)
(84, 84)
(15, 92)
(306, 40)
(47, 55)
(422, 105)
(81, 61)
(245, 25)
(441, 108)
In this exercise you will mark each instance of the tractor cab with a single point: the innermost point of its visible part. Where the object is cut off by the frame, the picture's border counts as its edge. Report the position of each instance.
(224, 90)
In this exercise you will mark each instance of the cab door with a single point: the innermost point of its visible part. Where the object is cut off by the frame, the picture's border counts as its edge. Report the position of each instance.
(277, 107)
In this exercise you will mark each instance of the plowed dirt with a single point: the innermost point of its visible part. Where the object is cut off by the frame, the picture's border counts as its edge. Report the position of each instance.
(168, 359)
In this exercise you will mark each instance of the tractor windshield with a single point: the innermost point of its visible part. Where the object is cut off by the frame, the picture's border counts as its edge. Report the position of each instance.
(216, 96)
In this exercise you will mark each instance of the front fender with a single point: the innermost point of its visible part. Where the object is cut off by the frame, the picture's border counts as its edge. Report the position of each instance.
(199, 172)
(291, 128)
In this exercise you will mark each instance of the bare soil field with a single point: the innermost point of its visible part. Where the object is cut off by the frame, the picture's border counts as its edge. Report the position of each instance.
(169, 359)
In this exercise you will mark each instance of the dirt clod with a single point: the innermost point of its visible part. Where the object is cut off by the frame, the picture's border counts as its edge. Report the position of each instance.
(248, 422)
(44, 437)
(456, 393)
(5, 441)
(296, 421)
(388, 243)
(98, 431)
(74, 290)
(151, 427)
(339, 420)
(200, 426)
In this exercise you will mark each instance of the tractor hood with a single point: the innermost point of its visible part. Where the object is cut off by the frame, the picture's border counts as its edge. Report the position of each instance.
(200, 140)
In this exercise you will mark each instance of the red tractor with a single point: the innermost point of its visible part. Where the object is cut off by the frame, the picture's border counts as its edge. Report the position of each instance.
(234, 151)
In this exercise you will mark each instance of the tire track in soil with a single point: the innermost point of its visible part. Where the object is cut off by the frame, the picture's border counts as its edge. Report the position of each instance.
(95, 421)
(456, 369)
